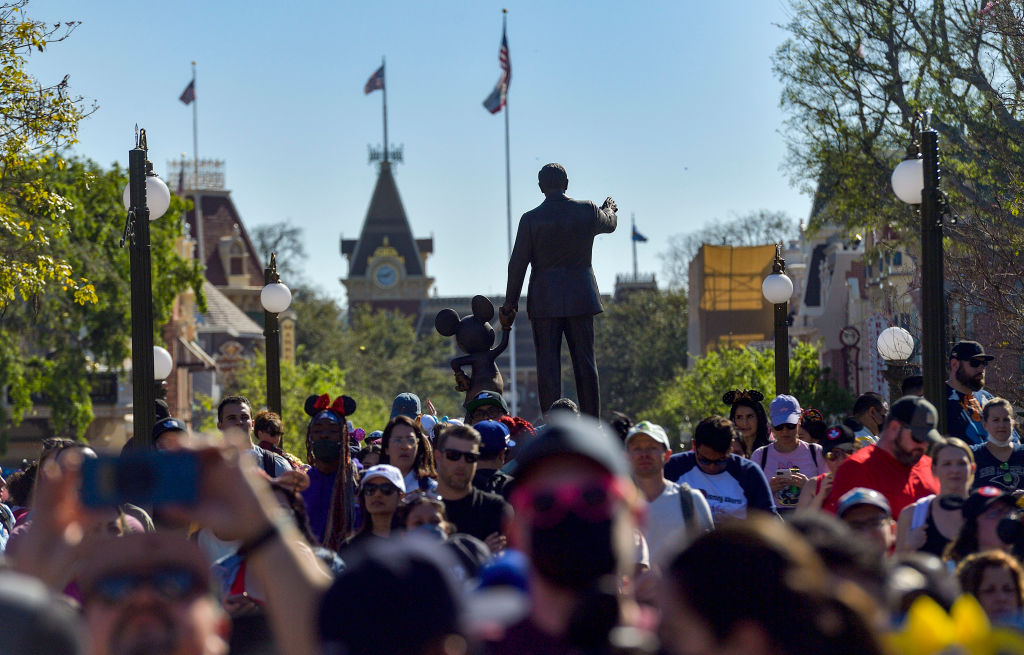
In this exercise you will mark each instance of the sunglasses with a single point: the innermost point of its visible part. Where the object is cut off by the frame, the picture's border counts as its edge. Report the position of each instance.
(835, 453)
(977, 363)
(712, 462)
(546, 506)
(453, 455)
(385, 488)
(784, 426)
(172, 584)
(429, 496)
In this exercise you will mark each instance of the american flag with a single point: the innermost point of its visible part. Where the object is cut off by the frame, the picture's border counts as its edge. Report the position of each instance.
(496, 100)
(375, 82)
(189, 94)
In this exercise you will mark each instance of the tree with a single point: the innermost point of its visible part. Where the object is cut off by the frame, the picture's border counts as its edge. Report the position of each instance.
(641, 345)
(36, 122)
(855, 74)
(298, 381)
(287, 241)
(696, 393)
(752, 229)
(50, 343)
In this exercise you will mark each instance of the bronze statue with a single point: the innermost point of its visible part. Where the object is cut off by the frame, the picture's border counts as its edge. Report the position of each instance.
(557, 240)
(475, 336)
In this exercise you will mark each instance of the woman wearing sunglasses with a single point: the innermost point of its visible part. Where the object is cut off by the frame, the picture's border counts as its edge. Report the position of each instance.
(837, 444)
(380, 491)
(927, 525)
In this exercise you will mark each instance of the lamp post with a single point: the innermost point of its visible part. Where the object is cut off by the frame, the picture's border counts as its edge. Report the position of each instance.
(275, 298)
(162, 367)
(777, 289)
(916, 182)
(146, 198)
(895, 345)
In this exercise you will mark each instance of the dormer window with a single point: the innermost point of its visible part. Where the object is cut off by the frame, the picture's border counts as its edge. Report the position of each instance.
(236, 259)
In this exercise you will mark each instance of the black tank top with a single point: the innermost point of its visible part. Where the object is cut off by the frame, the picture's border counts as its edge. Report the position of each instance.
(934, 542)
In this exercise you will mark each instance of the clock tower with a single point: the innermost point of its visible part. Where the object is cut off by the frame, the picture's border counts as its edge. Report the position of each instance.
(386, 264)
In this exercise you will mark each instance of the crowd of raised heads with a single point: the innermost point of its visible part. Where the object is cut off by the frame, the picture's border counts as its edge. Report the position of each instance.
(769, 528)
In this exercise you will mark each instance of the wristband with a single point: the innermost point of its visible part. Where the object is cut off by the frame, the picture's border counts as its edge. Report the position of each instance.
(272, 531)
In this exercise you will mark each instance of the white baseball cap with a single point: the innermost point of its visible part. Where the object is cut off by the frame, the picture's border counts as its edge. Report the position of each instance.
(386, 471)
(652, 430)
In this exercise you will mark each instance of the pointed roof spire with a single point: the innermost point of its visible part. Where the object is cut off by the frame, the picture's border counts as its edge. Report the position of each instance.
(386, 222)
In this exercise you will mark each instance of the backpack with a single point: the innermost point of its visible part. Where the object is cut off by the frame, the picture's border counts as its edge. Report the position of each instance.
(686, 505)
(814, 455)
(269, 466)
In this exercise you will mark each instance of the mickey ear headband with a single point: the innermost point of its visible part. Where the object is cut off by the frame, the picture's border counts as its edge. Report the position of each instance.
(736, 395)
(321, 406)
(811, 414)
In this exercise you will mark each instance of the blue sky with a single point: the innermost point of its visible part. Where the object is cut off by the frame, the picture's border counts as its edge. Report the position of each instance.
(670, 107)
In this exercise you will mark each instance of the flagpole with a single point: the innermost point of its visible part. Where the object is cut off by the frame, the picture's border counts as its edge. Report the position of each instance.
(200, 236)
(384, 97)
(632, 237)
(508, 226)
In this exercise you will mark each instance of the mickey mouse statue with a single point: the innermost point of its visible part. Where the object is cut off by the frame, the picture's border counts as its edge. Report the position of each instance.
(475, 336)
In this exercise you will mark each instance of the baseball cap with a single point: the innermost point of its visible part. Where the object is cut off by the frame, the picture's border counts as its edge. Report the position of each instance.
(862, 496)
(168, 424)
(652, 430)
(837, 435)
(574, 435)
(494, 437)
(486, 398)
(406, 404)
(784, 409)
(385, 471)
(919, 415)
(969, 350)
(982, 498)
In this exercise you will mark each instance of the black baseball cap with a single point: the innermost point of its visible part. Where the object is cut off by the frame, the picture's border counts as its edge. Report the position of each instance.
(168, 424)
(982, 498)
(574, 435)
(486, 398)
(964, 350)
(919, 415)
(837, 435)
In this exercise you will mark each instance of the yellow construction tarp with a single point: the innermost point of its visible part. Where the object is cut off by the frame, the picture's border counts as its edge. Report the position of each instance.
(731, 308)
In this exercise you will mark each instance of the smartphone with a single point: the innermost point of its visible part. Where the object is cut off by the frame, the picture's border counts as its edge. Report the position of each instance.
(141, 478)
(783, 473)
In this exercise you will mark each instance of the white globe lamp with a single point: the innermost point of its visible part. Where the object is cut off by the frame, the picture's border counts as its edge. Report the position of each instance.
(162, 363)
(275, 297)
(158, 197)
(777, 288)
(908, 181)
(895, 344)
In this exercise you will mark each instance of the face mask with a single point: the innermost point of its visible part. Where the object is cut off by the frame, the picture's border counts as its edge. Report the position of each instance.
(996, 442)
(575, 553)
(327, 452)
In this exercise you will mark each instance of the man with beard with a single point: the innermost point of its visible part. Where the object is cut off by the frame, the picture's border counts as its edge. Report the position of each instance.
(965, 392)
(897, 466)
(149, 594)
(474, 512)
(576, 516)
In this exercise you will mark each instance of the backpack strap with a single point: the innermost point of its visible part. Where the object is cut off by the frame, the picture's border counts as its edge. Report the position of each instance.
(268, 463)
(764, 457)
(814, 453)
(686, 505)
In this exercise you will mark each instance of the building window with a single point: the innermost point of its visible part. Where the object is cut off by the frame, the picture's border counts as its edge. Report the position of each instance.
(236, 260)
(897, 258)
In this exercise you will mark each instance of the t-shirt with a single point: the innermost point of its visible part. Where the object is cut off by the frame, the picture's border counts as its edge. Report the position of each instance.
(478, 513)
(770, 460)
(665, 519)
(741, 485)
(1008, 475)
(318, 500)
(413, 482)
(875, 468)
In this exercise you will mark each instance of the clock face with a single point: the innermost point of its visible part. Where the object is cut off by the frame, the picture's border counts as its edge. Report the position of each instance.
(385, 275)
(849, 336)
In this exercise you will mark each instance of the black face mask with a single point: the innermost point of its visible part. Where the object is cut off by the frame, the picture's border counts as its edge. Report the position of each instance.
(327, 452)
(575, 553)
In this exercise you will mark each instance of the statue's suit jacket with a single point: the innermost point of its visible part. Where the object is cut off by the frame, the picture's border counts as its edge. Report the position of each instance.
(557, 239)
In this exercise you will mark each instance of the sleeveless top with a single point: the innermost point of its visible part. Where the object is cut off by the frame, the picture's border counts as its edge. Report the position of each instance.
(934, 542)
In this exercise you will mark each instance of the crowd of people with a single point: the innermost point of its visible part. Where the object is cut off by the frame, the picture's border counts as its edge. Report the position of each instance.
(771, 531)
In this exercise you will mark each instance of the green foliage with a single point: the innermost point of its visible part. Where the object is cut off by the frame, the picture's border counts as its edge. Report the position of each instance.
(696, 393)
(640, 345)
(36, 122)
(298, 381)
(50, 342)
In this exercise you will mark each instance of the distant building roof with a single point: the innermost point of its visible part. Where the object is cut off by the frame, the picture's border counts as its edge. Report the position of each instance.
(220, 218)
(224, 316)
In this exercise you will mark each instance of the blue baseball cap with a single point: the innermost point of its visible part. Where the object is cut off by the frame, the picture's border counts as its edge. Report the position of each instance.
(494, 437)
(862, 496)
(406, 404)
(784, 409)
